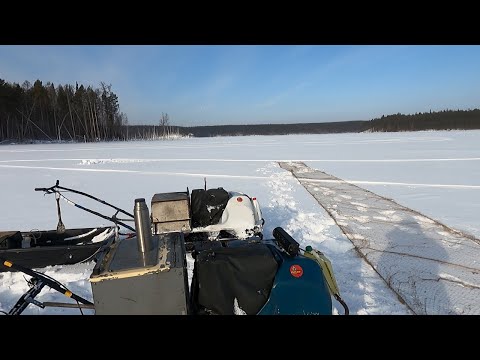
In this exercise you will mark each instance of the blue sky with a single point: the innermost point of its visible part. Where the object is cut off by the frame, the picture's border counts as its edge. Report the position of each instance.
(240, 84)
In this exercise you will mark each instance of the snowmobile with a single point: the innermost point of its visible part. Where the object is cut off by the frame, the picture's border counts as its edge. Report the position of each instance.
(235, 270)
(207, 214)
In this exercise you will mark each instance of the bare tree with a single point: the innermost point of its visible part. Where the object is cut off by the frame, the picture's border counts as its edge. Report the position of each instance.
(164, 124)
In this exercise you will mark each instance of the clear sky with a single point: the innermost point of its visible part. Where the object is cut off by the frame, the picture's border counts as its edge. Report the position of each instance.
(240, 84)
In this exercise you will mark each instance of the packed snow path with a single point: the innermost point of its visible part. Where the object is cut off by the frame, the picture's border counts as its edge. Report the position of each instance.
(433, 268)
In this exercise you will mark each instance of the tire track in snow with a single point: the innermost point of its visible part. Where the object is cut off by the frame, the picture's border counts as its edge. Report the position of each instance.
(246, 177)
(363, 290)
(123, 160)
(161, 146)
(452, 186)
(255, 144)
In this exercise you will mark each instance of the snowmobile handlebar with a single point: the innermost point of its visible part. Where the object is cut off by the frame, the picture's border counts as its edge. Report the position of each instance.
(49, 190)
(55, 189)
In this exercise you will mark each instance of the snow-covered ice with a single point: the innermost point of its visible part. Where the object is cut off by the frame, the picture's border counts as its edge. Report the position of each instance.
(435, 173)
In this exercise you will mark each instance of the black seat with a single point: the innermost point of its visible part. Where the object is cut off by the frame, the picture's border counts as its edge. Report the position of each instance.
(208, 206)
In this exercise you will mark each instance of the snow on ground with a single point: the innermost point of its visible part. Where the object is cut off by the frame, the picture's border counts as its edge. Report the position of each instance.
(407, 167)
(411, 252)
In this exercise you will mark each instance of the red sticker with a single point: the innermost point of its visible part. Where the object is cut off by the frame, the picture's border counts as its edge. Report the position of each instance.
(296, 271)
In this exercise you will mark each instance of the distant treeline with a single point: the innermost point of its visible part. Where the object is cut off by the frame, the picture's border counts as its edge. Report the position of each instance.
(441, 120)
(274, 129)
(155, 131)
(46, 112)
(78, 113)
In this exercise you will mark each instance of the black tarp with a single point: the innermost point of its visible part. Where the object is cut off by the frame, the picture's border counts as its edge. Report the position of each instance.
(10, 240)
(207, 206)
(243, 273)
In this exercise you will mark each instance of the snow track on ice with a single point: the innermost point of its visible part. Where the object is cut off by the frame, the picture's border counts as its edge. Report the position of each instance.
(433, 268)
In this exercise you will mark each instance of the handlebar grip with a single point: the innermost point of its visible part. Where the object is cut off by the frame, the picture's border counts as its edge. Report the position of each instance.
(40, 189)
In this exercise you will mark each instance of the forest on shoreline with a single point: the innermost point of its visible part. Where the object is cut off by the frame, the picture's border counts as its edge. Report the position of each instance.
(45, 112)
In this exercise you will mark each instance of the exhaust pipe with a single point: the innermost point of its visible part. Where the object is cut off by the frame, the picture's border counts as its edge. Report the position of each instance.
(143, 226)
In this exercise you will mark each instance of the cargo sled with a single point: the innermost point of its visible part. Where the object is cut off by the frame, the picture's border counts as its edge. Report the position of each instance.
(38, 249)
